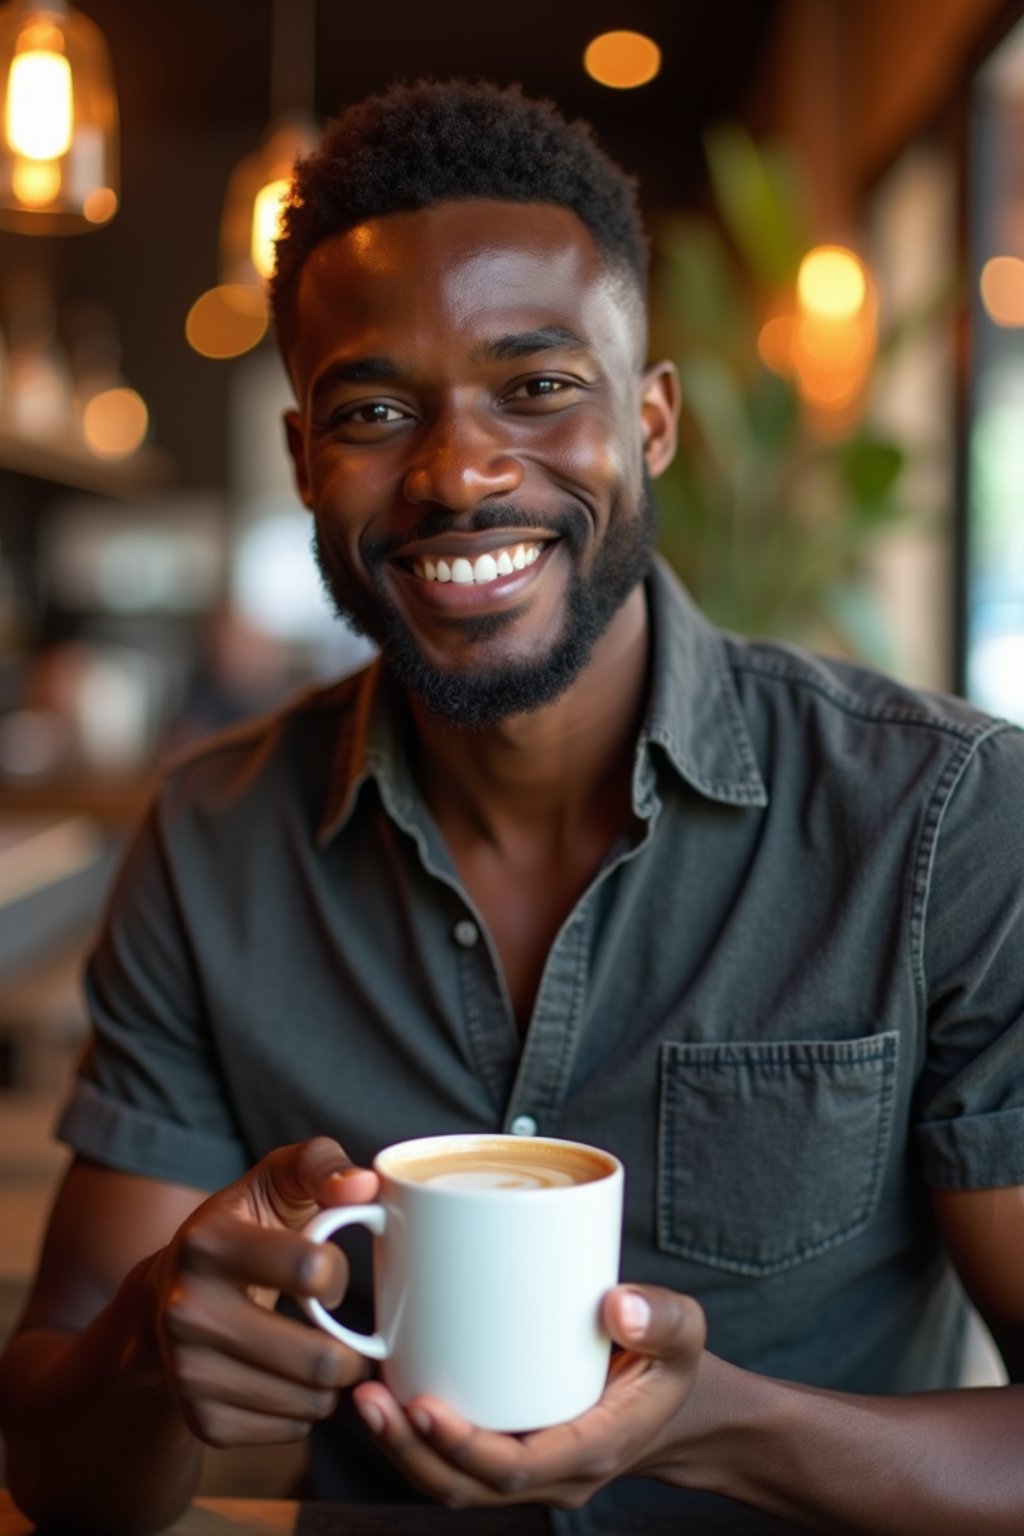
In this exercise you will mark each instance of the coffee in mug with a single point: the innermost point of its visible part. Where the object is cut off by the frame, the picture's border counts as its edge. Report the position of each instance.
(491, 1257)
(506, 1162)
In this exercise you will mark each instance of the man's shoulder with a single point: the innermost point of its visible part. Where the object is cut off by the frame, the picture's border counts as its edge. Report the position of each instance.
(288, 751)
(791, 678)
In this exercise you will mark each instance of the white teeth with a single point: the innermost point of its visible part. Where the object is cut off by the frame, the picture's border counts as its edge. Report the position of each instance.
(483, 569)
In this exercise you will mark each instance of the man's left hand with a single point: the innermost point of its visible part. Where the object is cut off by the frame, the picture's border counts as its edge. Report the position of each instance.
(661, 1335)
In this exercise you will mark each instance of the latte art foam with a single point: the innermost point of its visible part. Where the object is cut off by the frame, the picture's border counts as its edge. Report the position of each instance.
(502, 1164)
(499, 1176)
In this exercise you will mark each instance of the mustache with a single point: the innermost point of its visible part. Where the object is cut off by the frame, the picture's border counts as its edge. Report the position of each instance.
(569, 525)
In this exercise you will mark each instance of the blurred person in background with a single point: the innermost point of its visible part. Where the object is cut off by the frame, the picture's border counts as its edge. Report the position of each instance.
(565, 858)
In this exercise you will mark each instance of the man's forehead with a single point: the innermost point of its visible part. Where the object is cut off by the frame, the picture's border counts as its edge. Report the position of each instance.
(476, 261)
(457, 234)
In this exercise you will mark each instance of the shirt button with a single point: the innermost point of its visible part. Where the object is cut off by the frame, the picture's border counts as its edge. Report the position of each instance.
(523, 1125)
(465, 933)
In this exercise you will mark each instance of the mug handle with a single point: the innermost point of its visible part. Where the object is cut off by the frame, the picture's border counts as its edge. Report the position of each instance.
(372, 1345)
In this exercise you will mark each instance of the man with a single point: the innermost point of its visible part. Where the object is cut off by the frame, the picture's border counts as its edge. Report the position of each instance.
(567, 859)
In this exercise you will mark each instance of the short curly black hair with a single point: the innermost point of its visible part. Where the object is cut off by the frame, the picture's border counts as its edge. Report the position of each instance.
(433, 141)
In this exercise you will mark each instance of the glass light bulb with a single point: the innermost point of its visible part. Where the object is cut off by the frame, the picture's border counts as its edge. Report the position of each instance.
(35, 182)
(40, 105)
(267, 208)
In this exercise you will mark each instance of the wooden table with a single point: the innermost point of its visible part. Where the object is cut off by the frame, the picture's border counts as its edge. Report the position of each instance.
(285, 1517)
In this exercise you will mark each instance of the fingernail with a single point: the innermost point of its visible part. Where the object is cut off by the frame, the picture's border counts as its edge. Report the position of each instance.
(372, 1417)
(311, 1269)
(635, 1311)
(422, 1420)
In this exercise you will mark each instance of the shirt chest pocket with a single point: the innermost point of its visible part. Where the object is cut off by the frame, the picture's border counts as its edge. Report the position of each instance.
(771, 1152)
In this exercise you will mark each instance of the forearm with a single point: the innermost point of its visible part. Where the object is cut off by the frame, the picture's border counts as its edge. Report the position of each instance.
(94, 1438)
(944, 1462)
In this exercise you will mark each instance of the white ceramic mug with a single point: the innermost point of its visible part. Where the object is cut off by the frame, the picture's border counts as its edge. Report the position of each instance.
(488, 1290)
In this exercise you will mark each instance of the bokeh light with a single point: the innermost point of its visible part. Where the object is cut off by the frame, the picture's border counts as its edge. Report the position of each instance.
(622, 60)
(775, 343)
(100, 205)
(39, 102)
(267, 210)
(1002, 290)
(35, 182)
(831, 283)
(114, 423)
(227, 320)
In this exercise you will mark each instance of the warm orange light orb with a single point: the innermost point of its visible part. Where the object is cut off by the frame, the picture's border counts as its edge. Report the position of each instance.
(1002, 290)
(114, 423)
(227, 321)
(831, 283)
(622, 60)
(100, 205)
(775, 344)
(40, 109)
(267, 212)
(35, 182)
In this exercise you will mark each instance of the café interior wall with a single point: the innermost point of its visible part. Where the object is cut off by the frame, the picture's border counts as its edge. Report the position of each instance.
(875, 118)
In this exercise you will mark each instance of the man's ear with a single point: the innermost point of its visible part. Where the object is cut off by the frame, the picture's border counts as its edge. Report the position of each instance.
(659, 416)
(297, 448)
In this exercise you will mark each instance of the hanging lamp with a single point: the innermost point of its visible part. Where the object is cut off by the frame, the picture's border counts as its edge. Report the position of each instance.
(58, 121)
(232, 318)
(259, 183)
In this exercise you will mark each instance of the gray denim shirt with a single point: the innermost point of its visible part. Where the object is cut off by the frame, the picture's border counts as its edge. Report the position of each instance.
(790, 1003)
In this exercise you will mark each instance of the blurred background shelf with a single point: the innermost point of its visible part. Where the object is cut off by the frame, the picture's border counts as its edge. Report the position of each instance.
(68, 465)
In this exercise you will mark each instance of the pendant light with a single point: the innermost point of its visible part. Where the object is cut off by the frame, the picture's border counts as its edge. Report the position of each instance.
(259, 184)
(58, 121)
(232, 318)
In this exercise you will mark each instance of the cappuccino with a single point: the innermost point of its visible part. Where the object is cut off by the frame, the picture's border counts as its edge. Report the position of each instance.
(480, 1295)
(508, 1163)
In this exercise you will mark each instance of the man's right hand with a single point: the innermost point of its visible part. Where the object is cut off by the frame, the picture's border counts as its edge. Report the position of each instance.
(241, 1373)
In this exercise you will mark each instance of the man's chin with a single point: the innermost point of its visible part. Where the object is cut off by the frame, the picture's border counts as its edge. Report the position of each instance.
(487, 695)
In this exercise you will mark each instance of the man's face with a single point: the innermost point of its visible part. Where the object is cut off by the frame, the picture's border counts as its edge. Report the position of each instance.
(474, 437)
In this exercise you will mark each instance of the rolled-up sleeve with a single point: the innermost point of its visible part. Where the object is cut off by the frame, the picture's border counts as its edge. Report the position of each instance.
(149, 1097)
(971, 1101)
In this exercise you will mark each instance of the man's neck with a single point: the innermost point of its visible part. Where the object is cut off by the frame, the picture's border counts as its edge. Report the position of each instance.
(540, 778)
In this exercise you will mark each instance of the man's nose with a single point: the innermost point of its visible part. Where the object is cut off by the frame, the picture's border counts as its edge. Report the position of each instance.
(458, 464)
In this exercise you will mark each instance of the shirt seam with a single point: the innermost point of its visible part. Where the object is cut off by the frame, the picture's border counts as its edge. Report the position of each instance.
(924, 864)
(882, 714)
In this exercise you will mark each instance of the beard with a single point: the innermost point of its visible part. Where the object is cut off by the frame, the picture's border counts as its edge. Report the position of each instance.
(476, 700)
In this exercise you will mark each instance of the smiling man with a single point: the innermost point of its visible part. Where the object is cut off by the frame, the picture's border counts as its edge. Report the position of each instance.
(566, 859)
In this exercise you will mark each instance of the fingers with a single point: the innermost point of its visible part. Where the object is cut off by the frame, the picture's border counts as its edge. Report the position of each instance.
(245, 1375)
(650, 1320)
(205, 1317)
(662, 1335)
(245, 1254)
(292, 1182)
(417, 1459)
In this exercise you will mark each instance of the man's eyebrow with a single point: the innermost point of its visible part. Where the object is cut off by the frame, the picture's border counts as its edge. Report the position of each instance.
(546, 338)
(360, 370)
(503, 349)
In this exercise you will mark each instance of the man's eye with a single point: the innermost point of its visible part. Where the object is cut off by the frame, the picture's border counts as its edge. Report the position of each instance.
(542, 388)
(374, 414)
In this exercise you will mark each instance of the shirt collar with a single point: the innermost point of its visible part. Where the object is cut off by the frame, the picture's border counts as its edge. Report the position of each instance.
(694, 716)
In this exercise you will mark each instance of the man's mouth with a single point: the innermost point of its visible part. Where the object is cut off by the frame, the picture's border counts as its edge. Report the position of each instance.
(480, 571)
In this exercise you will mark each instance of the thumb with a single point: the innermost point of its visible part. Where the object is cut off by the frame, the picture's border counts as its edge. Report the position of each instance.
(650, 1320)
(295, 1181)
